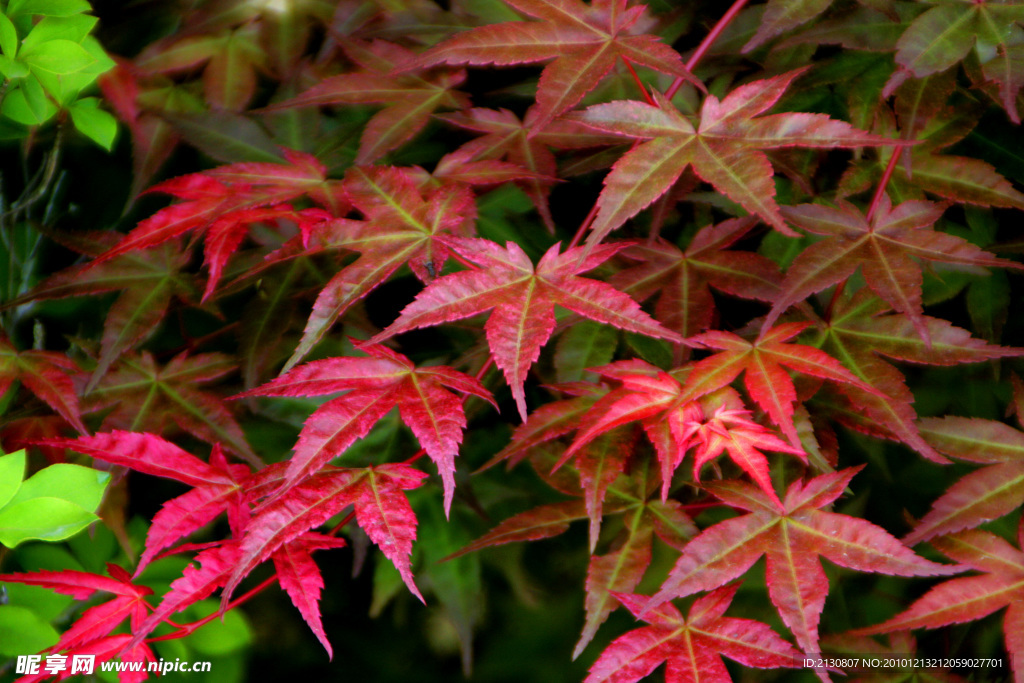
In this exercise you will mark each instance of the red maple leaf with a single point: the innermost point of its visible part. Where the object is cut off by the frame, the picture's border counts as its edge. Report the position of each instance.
(222, 201)
(763, 362)
(375, 385)
(216, 487)
(90, 633)
(381, 510)
(676, 422)
(300, 578)
(523, 298)
(585, 43)
(693, 647)
(792, 535)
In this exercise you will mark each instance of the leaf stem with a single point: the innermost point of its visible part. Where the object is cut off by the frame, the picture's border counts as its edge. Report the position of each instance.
(341, 525)
(189, 628)
(835, 297)
(639, 83)
(705, 44)
(880, 191)
(488, 364)
(583, 226)
(461, 259)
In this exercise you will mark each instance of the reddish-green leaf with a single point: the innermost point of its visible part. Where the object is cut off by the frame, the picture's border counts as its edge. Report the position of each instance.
(46, 374)
(403, 226)
(140, 395)
(411, 97)
(969, 598)
(681, 279)
(585, 43)
(982, 495)
(725, 149)
(884, 248)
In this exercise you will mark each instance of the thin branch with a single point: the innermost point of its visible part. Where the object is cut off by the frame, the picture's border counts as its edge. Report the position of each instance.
(835, 297)
(189, 628)
(706, 44)
(639, 83)
(880, 190)
(583, 226)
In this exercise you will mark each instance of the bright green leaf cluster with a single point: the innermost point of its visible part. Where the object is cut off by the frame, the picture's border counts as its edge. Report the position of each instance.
(47, 58)
(53, 504)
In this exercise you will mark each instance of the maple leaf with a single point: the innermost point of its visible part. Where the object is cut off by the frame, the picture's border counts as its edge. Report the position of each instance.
(297, 574)
(982, 495)
(692, 646)
(195, 583)
(585, 43)
(403, 225)
(791, 535)
(148, 280)
(538, 523)
(675, 423)
(725, 149)
(411, 96)
(548, 422)
(212, 198)
(1001, 584)
(46, 374)
(523, 298)
(216, 486)
(762, 362)
(944, 34)
(300, 577)
(140, 395)
(966, 180)
(95, 624)
(231, 58)
(600, 463)
(862, 331)
(883, 248)
(681, 279)
(375, 385)
(622, 569)
(783, 15)
(381, 510)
